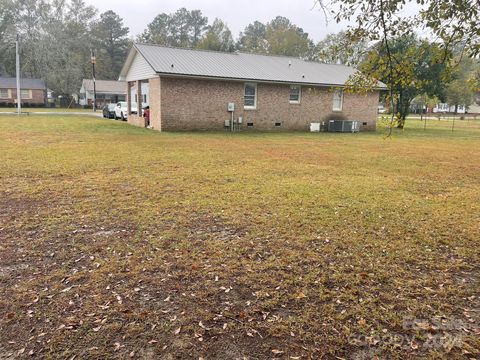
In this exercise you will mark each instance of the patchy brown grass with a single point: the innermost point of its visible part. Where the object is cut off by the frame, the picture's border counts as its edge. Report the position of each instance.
(119, 242)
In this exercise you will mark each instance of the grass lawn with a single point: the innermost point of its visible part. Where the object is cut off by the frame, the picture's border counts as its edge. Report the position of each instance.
(120, 242)
(44, 109)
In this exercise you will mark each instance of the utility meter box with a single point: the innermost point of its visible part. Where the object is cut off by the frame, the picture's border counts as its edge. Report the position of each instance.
(314, 127)
(231, 107)
(240, 120)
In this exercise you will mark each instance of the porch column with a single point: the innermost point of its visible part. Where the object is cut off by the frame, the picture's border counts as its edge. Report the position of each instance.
(129, 98)
(139, 102)
(155, 103)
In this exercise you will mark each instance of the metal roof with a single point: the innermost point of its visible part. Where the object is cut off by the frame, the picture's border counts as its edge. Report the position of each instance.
(105, 86)
(29, 84)
(240, 66)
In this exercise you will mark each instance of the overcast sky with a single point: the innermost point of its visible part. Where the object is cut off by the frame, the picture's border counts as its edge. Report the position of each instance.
(236, 13)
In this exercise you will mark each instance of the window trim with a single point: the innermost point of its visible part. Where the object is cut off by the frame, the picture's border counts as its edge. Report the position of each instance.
(249, 107)
(28, 97)
(299, 94)
(340, 108)
(8, 94)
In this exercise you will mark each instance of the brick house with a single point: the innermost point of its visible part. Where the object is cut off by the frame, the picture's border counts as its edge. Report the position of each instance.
(107, 91)
(33, 91)
(190, 90)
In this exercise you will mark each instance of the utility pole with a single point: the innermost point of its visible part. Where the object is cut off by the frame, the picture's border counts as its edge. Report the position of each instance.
(19, 94)
(94, 60)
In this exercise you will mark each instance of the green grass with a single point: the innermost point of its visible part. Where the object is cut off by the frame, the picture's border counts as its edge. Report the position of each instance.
(44, 109)
(117, 241)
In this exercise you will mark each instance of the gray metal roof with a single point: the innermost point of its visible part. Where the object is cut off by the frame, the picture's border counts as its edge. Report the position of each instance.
(30, 84)
(177, 61)
(105, 86)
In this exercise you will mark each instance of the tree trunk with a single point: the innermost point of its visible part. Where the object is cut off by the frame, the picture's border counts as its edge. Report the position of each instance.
(403, 110)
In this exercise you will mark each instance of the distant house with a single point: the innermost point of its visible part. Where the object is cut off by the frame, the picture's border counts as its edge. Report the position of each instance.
(206, 90)
(107, 91)
(475, 107)
(447, 108)
(32, 91)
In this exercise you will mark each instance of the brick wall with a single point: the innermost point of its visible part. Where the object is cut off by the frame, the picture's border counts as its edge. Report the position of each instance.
(192, 104)
(38, 97)
(134, 119)
(155, 103)
(189, 104)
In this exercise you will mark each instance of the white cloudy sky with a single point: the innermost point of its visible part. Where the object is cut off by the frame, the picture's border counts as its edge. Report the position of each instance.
(236, 13)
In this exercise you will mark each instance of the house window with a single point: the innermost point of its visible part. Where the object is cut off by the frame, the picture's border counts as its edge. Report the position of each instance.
(338, 100)
(250, 124)
(3, 93)
(278, 124)
(25, 94)
(145, 98)
(250, 96)
(295, 94)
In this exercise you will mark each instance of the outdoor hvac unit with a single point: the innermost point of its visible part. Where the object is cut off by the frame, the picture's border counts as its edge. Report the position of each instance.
(344, 126)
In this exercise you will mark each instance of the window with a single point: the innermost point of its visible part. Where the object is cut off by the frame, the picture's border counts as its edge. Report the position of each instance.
(443, 107)
(250, 96)
(25, 94)
(295, 93)
(4, 94)
(145, 98)
(338, 100)
(250, 124)
(278, 124)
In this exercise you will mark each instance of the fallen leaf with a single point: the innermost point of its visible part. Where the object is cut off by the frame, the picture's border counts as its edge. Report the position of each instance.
(178, 331)
(301, 295)
(277, 352)
(242, 315)
(422, 326)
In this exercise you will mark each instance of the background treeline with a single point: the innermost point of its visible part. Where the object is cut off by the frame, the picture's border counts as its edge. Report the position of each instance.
(57, 37)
